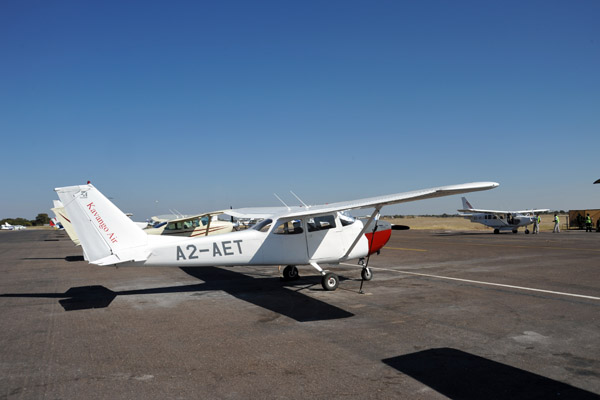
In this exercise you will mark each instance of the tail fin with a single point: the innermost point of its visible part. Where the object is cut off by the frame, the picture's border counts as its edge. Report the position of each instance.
(64, 220)
(466, 204)
(106, 234)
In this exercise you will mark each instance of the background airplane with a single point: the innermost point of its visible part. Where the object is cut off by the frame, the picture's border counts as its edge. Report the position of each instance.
(302, 235)
(498, 219)
(8, 227)
(202, 224)
(195, 225)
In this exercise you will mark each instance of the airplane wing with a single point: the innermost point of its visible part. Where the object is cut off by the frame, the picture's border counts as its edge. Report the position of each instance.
(537, 210)
(371, 202)
(480, 210)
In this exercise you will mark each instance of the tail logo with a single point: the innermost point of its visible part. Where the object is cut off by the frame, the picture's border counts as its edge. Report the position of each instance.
(101, 224)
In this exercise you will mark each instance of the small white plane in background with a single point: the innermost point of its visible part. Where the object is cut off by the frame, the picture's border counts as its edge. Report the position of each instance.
(8, 227)
(498, 219)
(301, 235)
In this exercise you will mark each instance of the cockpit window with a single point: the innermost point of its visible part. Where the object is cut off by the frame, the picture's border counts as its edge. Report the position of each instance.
(289, 228)
(173, 226)
(263, 226)
(204, 220)
(320, 223)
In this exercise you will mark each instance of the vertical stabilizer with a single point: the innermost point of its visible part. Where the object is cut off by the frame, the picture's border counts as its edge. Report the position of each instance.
(65, 221)
(106, 234)
(466, 204)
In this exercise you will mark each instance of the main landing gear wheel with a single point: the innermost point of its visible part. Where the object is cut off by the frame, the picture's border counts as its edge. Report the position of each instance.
(290, 273)
(496, 231)
(514, 231)
(527, 231)
(366, 274)
(330, 281)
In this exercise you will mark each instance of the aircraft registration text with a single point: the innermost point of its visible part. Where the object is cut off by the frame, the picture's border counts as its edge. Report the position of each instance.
(219, 249)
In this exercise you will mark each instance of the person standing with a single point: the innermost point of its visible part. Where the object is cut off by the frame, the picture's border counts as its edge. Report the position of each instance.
(536, 224)
(556, 224)
(588, 223)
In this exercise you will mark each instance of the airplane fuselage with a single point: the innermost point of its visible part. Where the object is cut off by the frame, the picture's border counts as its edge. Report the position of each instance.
(509, 222)
(283, 242)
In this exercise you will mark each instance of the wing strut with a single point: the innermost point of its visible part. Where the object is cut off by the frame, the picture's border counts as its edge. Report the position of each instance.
(364, 229)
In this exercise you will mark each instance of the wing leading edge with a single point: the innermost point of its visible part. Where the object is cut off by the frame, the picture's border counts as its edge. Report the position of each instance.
(370, 202)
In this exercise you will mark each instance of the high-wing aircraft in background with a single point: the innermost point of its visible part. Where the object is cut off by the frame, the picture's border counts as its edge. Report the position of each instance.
(301, 235)
(498, 219)
(196, 225)
(203, 224)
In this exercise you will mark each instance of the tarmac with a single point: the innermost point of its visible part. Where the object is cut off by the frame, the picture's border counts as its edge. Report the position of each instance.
(461, 315)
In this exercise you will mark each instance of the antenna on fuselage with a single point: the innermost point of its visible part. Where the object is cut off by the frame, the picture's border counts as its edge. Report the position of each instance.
(279, 198)
(299, 199)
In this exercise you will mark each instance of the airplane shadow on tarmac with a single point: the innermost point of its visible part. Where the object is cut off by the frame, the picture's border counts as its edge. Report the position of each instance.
(463, 376)
(268, 293)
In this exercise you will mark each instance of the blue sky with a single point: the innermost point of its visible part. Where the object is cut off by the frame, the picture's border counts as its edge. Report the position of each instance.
(201, 105)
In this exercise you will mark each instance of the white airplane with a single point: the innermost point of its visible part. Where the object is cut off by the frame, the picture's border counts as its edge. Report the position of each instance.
(498, 219)
(291, 236)
(9, 227)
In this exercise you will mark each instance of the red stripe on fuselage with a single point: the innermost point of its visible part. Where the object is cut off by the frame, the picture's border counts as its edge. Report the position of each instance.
(380, 239)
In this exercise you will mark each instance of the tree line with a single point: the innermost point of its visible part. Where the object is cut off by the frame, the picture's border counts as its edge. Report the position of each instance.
(41, 220)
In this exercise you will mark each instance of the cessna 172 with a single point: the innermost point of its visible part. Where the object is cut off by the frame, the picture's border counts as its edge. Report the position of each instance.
(500, 220)
(301, 235)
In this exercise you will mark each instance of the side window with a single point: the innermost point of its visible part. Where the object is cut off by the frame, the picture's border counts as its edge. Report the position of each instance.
(320, 223)
(204, 220)
(171, 226)
(289, 228)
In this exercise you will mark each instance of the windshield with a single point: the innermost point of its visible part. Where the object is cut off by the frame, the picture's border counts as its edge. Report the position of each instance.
(345, 218)
(263, 226)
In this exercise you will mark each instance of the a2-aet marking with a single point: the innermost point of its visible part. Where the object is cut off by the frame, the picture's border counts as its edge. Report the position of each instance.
(219, 249)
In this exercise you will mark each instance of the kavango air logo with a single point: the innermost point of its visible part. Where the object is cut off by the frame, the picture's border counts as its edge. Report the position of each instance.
(101, 224)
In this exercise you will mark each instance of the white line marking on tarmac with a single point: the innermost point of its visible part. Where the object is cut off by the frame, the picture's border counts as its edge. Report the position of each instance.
(482, 283)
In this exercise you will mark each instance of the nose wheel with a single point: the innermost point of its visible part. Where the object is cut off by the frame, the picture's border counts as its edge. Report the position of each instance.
(366, 274)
